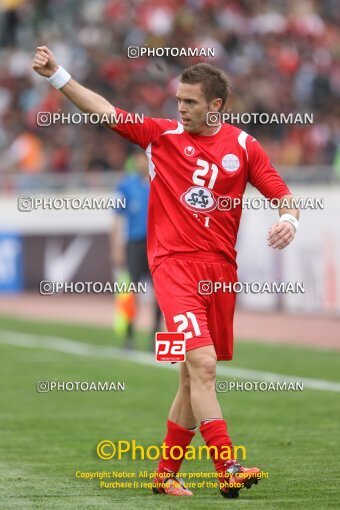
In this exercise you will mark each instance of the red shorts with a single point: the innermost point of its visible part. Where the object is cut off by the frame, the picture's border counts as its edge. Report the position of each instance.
(205, 318)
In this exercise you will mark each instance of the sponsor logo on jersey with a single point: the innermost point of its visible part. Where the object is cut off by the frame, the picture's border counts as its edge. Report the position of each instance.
(189, 150)
(198, 198)
(230, 162)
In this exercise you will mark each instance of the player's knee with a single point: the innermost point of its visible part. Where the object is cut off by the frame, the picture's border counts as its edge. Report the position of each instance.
(203, 369)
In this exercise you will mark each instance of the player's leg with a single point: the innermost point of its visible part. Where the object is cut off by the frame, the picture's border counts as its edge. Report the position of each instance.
(181, 427)
(201, 364)
(176, 290)
(202, 369)
(181, 411)
(201, 320)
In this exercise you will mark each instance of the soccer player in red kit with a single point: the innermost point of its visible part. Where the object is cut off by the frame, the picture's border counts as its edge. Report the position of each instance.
(192, 239)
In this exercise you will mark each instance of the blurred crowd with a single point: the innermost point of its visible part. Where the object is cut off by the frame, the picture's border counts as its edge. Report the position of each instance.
(280, 56)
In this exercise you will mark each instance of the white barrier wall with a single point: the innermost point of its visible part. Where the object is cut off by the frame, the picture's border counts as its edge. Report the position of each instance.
(312, 258)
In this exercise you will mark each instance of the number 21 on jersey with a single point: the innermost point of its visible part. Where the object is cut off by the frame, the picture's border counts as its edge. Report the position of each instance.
(202, 171)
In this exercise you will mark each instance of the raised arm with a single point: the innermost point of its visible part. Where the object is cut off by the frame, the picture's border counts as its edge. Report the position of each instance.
(86, 100)
(139, 132)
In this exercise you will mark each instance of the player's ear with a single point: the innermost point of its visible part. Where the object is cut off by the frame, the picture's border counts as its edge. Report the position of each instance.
(215, 105)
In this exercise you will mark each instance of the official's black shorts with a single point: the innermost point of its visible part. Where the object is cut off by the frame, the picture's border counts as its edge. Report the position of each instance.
(137, 261)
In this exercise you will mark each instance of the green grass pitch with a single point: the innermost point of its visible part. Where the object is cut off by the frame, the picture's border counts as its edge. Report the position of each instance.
(46, 437)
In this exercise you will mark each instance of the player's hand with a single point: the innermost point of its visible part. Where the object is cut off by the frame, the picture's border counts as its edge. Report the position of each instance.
(281, 234)
(44, 62)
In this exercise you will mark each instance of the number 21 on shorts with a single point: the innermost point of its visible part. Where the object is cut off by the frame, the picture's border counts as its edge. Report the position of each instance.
(187, 324)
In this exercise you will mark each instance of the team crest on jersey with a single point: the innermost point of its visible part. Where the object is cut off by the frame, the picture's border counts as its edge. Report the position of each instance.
(189, 151)
(230, 162)
(198, 198)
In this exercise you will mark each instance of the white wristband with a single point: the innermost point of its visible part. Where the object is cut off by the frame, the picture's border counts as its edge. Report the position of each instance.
(59, 78)
(291, 219)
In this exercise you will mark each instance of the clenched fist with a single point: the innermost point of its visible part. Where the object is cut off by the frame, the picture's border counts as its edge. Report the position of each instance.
(44, 62)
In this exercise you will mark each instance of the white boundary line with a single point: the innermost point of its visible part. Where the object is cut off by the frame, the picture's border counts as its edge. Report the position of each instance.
(83, 349)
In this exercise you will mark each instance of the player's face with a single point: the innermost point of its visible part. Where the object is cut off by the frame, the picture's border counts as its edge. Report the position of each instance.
(193, 107)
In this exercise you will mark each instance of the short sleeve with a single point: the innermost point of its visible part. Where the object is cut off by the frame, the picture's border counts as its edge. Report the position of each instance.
(141, 132)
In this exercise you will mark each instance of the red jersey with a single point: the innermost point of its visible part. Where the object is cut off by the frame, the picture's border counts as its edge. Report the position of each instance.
(189, 173)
